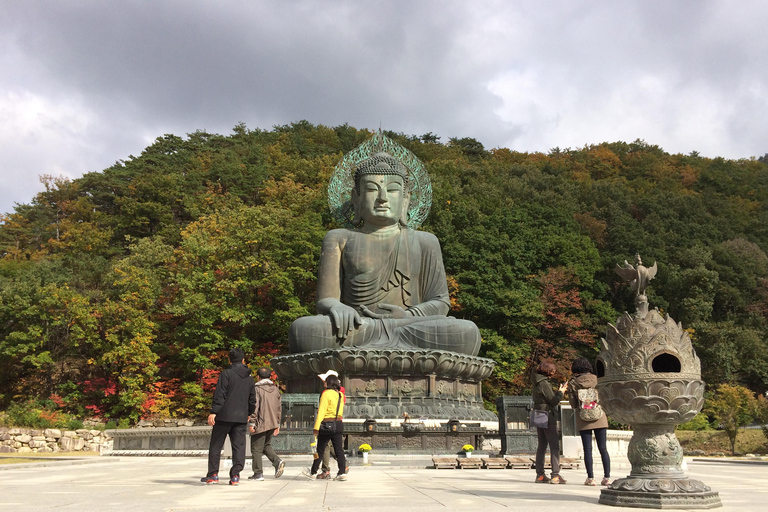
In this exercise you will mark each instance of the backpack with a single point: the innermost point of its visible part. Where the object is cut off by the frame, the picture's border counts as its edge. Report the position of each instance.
(589, 408)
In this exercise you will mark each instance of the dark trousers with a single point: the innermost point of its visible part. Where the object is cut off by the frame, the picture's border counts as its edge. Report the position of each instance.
(236, 433)
(548, 436)
(338, 447)
(261, 444)
(586, 443)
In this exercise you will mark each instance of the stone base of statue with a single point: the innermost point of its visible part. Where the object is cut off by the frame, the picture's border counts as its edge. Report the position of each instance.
(651, 499)
(656, 480)
(391, 383)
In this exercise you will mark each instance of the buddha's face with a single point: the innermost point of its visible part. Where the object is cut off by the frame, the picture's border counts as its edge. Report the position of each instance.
(381, 199)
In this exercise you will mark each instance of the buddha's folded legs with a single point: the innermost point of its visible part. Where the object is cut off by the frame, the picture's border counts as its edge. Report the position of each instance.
(433, 332)
(441, 333)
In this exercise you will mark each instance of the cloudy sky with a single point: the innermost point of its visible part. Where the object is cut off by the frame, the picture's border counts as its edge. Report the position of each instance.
(86, 83)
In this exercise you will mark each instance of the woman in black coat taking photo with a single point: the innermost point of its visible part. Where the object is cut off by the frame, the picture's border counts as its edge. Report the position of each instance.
(546, 399)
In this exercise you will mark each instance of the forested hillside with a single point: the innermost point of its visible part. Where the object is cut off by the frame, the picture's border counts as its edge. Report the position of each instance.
(121, 291)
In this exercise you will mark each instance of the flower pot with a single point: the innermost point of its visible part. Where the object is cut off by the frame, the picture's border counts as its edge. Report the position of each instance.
(365, 457)
(468, 455)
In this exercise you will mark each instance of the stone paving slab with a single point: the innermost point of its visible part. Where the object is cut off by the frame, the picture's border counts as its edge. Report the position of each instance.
(172, 484)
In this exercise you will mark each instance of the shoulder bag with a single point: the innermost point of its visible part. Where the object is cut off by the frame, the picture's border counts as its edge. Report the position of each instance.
(329, 427)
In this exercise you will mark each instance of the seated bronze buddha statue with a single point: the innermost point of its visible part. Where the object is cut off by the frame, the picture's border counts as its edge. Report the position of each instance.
(381, 284)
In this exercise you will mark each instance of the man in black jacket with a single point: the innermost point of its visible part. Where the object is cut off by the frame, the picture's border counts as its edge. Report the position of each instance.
(233, 401)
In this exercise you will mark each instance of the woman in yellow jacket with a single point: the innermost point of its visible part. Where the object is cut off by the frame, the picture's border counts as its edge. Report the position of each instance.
(330, 410)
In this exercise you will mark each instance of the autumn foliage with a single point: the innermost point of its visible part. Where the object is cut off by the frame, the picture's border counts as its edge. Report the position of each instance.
(122, 291)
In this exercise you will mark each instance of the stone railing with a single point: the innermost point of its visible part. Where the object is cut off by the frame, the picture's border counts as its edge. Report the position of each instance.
(25, 440)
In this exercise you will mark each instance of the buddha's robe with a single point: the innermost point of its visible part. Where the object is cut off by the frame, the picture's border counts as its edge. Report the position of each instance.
(410, 275)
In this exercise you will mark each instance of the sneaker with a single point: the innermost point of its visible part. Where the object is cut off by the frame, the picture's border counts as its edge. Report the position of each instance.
(235, 480)
(307, 473)
(323, 475)
(279, 469)
(542, 479)
(590, 481)
(257, 476)
(213, 479)
(341, 478)
(557, 479)
(605, 481)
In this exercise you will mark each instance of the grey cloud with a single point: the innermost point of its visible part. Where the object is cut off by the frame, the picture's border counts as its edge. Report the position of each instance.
(146, 68)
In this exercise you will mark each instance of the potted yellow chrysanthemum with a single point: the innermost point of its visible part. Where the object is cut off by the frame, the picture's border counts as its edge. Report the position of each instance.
(468, 449)
(365, 448)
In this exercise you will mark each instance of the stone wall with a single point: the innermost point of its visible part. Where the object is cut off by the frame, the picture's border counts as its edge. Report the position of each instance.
(25, 440)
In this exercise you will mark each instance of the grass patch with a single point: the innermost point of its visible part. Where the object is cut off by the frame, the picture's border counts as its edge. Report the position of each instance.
(21, 458)
(16, 460)
(715, 441)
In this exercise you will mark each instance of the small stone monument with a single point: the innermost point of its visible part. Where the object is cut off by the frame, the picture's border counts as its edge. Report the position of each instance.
(650, 377)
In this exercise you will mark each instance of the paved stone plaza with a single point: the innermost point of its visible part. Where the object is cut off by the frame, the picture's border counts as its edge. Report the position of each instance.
(172, 484)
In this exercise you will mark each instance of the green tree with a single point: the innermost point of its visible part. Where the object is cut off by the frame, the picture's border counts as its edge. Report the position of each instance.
(733, 407)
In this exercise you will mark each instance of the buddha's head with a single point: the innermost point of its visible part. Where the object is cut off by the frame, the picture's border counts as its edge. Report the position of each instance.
(380, 195)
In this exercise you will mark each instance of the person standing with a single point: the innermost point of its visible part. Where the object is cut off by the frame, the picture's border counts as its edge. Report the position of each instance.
(264, 423)
(584, 378)
(330, 411)
(545, 399)
(233, 401)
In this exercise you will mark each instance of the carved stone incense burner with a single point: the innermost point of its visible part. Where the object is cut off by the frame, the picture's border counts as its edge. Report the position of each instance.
(649, 377)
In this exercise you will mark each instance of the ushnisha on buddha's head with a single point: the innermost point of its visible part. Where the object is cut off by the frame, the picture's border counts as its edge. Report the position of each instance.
(380, 195)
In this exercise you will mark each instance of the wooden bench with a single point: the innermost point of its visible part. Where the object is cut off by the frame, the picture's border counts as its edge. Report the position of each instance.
(565, 463)
(470, 462)
(494, 463)
(518, 462)
(444, 462)
(568, 463)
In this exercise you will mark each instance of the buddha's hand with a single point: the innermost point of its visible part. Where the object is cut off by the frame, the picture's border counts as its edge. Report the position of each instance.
(345, 318)
(391, 311)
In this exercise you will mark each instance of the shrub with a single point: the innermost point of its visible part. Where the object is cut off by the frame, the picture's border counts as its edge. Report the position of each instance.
(30, 415)
(699, 422)
(74, 424)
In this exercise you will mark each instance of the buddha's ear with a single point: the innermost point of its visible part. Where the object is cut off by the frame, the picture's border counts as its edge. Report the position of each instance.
(404, 209)
(357, 220)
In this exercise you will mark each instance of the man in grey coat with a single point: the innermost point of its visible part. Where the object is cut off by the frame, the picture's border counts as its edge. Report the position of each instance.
(265, 423)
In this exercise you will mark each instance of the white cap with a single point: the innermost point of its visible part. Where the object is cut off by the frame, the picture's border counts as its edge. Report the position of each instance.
(325, 375)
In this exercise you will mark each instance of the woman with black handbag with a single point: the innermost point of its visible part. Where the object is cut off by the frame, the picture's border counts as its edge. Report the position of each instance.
(545, 400)
(329, 427)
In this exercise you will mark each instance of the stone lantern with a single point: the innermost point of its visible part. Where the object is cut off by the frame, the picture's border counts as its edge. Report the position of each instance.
(649, 377)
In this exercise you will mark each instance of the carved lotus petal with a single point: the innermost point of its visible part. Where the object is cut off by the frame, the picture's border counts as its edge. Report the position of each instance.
(669, 394)
(355, 363)
(426, 364)
(402, 364)
(445, 364)
(461, 365)
(377, 363)
(284, 370)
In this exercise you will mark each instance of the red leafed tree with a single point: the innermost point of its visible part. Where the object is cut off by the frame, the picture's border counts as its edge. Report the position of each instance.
(562, 335)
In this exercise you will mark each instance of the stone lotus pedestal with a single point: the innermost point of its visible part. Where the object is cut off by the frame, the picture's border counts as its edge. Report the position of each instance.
(649, 377)
(388, 383)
